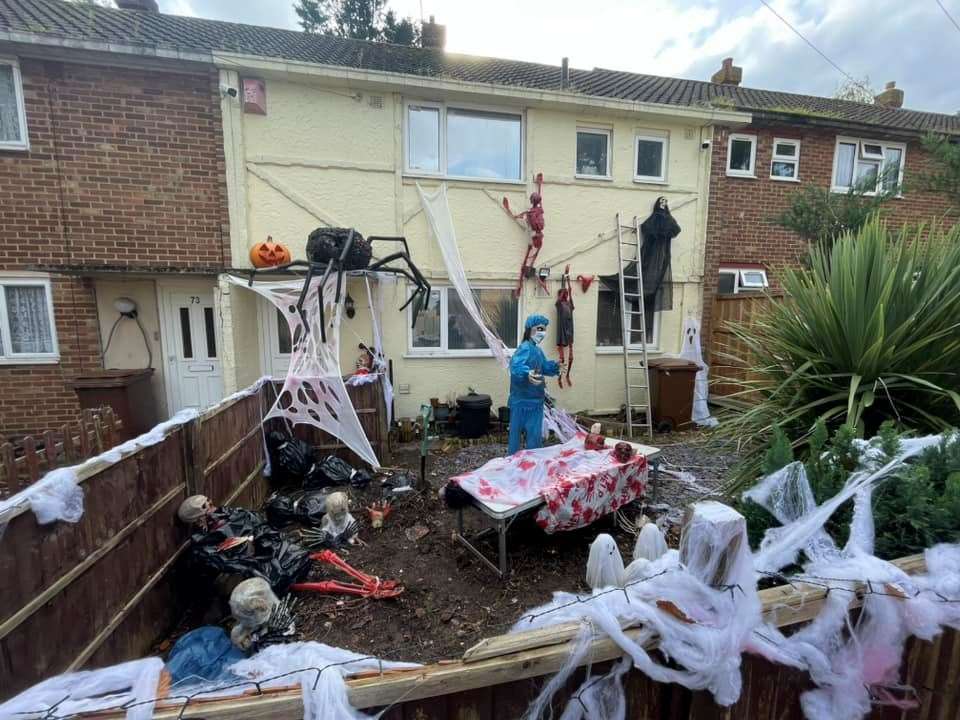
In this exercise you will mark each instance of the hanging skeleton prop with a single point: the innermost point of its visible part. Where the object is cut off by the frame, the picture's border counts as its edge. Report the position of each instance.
(534, 218)
(336, 250)
(565, 310)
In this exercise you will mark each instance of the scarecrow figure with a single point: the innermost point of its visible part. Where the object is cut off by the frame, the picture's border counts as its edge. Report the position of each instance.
(528, 390)
(565, 308)
(535, 221)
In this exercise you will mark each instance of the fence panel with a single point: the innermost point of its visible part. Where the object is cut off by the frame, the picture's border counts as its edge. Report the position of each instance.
(725, 371)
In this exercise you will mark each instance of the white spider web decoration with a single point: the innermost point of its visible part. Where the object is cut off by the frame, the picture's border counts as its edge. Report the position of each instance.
(313, 391)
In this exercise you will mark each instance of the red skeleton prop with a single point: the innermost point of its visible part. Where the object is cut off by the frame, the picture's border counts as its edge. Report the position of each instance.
(369, 586)
(534, 219)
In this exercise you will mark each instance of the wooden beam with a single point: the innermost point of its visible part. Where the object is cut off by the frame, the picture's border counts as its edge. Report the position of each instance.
(77, 570)
(515, 642)
(234, 448)
(414, 684)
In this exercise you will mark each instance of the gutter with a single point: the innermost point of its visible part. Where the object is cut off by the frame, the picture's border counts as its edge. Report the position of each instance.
(761, 117)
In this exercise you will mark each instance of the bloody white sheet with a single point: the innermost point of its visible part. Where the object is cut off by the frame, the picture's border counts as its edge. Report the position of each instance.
(577, 485)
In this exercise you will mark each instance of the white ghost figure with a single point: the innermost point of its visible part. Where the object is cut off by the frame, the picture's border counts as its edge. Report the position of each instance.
(650, 546)
(604, 565)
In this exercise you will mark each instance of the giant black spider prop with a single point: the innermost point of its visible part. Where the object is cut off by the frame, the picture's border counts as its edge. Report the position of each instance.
(342, 250)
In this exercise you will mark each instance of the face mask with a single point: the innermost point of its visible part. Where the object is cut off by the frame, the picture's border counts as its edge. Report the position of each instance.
(538, 336)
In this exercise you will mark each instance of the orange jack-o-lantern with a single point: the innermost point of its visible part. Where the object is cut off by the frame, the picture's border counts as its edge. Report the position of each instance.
(269, 254)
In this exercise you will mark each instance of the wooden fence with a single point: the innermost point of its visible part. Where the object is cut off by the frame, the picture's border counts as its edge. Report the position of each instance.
(26, 461)
(100, 591)
(497, 678)
(725, 371)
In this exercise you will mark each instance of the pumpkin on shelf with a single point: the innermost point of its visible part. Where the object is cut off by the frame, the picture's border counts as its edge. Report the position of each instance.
(269, 254)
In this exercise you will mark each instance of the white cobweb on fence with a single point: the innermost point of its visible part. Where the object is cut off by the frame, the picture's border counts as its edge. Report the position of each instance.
(313, 391)
(436, 207)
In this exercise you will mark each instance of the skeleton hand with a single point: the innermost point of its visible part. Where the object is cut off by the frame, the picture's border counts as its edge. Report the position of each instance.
(535, 377)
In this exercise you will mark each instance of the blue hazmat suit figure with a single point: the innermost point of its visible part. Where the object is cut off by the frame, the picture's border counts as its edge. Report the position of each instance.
(528, 390)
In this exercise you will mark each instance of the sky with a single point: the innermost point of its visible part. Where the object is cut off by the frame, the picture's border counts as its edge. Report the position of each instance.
(912, 42)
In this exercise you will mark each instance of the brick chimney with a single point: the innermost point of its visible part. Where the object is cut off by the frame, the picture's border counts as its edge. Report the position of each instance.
(139, 5)
(891, 96)
(728, 74)
(433, 35)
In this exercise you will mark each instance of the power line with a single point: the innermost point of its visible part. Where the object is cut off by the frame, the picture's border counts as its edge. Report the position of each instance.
(947, 13)
(817, 50)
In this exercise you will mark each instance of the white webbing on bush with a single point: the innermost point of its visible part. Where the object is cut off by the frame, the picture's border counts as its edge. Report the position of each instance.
(437, 210)
(853, 665)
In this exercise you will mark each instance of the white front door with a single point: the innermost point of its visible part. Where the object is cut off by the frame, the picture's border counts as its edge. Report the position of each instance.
(194, 373)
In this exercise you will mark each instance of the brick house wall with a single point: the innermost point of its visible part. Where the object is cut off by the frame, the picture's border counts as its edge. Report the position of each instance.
(125, 169)
(739, 222)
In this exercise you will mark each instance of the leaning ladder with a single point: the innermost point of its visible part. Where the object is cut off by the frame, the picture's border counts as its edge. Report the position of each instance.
(636, 376)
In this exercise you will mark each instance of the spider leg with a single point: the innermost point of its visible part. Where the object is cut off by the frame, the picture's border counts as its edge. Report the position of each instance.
(303, 296)
(422, 286)
(277, 268)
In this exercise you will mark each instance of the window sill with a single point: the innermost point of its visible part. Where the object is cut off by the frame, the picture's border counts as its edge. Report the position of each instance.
(409, 175)
(447, 355)
(30, 360)
(844, 191)
(784, 179)
(602, 178)
(745, 176)
(15, 147)
(649, 181)
(618, 350)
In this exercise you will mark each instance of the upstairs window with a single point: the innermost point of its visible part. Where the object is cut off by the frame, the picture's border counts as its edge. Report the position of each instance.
(742, 155)
(593, 153)
(651, 159)
(785, 164)
(463, 143)
(13, 118)
(870, 165)
(27, 332)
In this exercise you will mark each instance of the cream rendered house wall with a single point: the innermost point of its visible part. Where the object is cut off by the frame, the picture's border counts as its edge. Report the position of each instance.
(330, 152)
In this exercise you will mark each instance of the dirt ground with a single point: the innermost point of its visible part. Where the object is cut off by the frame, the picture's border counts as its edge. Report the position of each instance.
(451, 600)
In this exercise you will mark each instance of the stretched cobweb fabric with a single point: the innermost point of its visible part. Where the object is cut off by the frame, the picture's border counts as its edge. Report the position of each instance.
(313, 392)
(436, 207)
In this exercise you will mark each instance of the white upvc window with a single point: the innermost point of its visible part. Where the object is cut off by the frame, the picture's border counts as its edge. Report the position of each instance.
(445, 328)
(13, 116)
(593, 153)
(874, 165)
(462, 142)
(610, 330)
(28, 334)
(785, 162)
(735, 280)
(742, 155)
(650, 159)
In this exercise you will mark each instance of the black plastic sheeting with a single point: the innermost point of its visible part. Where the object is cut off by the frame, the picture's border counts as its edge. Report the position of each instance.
(306, 508)
(266, 553)
(295, 461)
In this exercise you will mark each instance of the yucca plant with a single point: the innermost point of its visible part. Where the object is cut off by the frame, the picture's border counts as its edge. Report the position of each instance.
(868, 332)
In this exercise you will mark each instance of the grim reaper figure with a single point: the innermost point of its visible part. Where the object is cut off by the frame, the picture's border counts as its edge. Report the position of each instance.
(658, 231)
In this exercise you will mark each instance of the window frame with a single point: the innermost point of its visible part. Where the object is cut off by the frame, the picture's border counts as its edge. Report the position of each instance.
(7, 356)
(24, 143)
(653, 346)
(752, 139)
(858, 157)
(443, 351)
(739, 283)
(664, 158)
(794, 160)
(592, 130)
(443, 107)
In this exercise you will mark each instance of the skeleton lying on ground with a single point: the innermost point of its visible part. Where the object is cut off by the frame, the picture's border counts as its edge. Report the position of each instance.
(262, 618)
